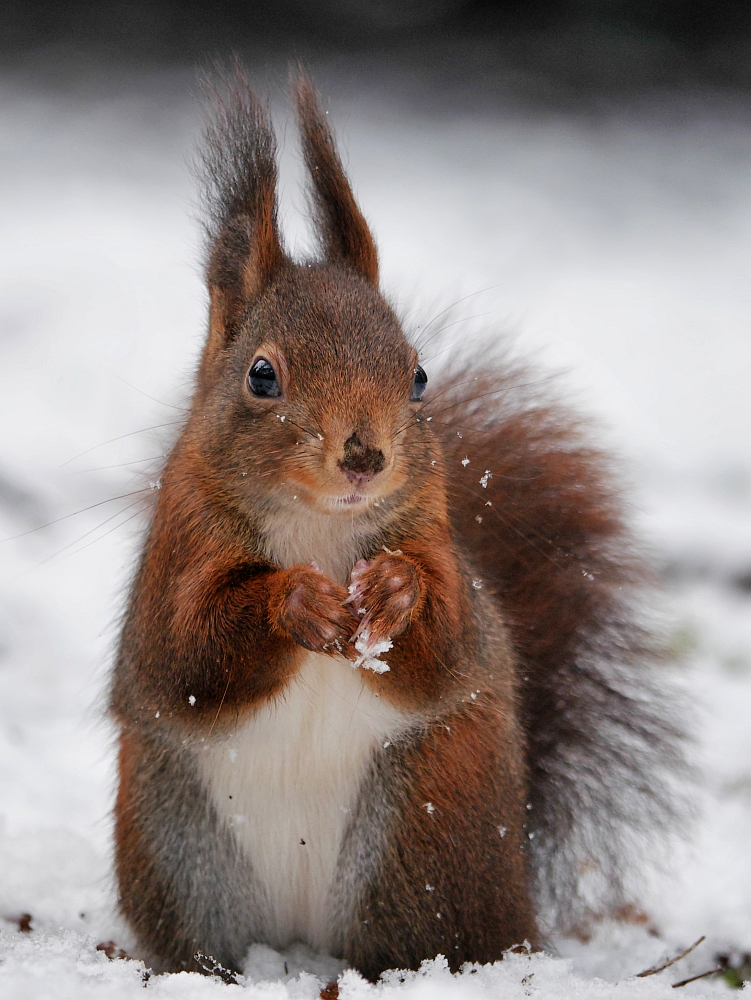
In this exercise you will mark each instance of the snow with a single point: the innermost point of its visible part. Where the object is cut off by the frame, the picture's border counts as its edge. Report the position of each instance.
(370, 650)
(614, 247)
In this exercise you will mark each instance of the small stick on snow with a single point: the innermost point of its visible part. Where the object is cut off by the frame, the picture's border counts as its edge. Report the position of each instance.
(709, 972)
(666, 965)
(209, 964)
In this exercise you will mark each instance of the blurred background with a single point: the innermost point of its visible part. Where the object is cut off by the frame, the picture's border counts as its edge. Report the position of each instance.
(576, 172)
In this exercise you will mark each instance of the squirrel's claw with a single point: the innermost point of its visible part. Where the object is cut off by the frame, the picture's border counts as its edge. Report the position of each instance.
(385, 592)
(310, 609)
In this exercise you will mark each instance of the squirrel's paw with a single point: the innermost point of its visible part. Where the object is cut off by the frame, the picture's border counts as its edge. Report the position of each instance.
(312, 610)
(384, 592)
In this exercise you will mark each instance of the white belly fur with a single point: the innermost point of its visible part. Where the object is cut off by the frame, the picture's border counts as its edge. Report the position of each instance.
(293, 771)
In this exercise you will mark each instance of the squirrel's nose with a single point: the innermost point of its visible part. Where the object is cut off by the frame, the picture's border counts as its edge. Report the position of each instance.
(360, 462)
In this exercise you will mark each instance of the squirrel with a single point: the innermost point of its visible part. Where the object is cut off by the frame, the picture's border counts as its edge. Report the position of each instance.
(365, 699)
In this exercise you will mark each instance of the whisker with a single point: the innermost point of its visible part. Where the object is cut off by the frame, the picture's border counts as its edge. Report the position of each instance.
(512, 527)
(507, 388)
(226, 689)
(427, 361)
(91, 531)
(143, 430)
(288, 419)
(115, 527)
(75, 513)
(448, 388)
(464, 319)
(510, 479)
(120, 465)
(182, 409)
(453, 306)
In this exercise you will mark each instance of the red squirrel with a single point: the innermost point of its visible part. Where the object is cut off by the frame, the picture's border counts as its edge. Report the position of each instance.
(370, 696)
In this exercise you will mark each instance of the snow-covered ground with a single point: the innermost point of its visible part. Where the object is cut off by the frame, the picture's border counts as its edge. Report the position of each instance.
(614, 247)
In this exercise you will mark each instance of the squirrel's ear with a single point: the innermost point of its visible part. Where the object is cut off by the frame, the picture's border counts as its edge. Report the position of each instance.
(238, 168)
(342, 230)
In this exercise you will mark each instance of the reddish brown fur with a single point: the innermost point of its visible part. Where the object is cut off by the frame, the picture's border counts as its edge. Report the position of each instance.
(471, 780)
(343, 232)
(555, 549)
(503, 679)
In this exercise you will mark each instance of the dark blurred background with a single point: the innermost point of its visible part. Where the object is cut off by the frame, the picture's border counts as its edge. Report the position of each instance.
(552, 50)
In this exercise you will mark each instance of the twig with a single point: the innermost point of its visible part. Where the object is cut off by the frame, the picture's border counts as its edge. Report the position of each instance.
(210, 965)
(685, 982)
(666, 965)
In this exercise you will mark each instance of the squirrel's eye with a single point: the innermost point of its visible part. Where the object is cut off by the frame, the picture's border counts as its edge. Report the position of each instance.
(262, 379)
(418, 384)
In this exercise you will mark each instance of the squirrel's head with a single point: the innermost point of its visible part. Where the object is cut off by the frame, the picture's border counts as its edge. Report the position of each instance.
(308, 390)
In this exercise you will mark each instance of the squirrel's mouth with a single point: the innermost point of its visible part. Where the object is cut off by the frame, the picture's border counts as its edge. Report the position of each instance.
(345, 502)
(348, 501)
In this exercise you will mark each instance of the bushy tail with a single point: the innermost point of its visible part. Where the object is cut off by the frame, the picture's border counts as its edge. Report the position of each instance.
(538, 510)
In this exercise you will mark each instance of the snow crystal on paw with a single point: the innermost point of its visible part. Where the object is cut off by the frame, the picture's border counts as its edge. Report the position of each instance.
(370, 651)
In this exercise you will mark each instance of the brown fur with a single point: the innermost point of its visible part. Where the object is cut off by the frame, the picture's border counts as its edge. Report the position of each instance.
(603, 732)
(343, 232)
(507, 686)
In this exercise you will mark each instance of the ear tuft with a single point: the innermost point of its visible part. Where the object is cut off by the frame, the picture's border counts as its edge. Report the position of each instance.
(342, 229)
(237, 165)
